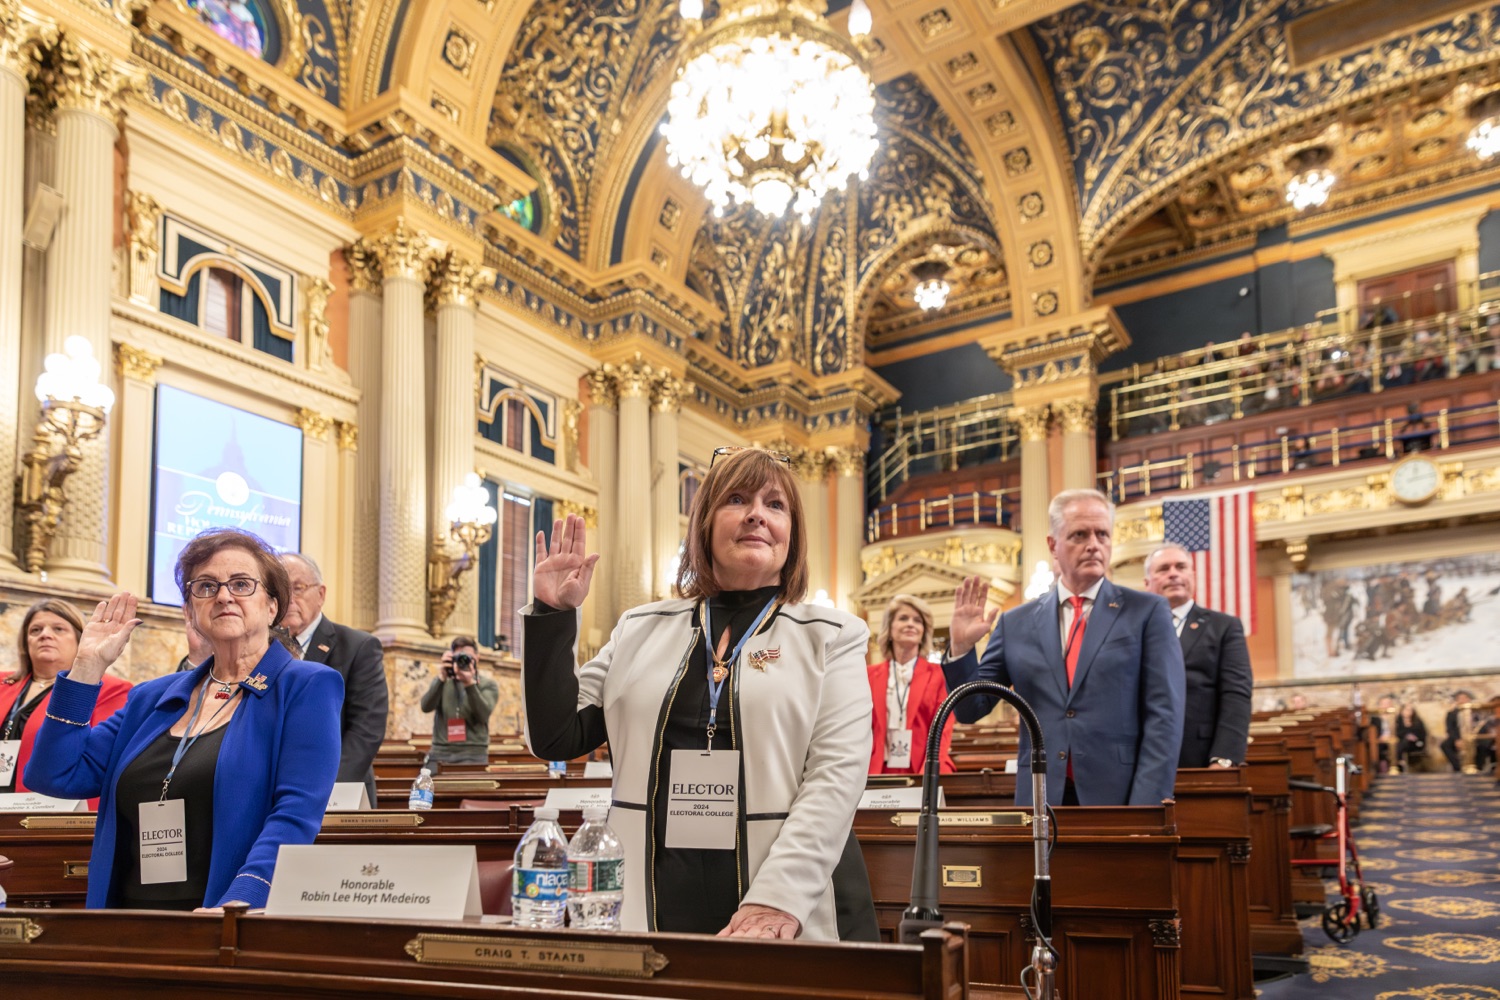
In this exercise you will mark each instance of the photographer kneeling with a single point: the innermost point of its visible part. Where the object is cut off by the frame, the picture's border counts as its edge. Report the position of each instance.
(461, 703)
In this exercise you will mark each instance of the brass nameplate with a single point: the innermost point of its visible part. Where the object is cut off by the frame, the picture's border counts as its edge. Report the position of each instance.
(18, 930)
(465, 784)
(637, 961)
(517, 768)
(966, 819)
(75, 869)
(84, 821)
(963, 876)
(371, 821)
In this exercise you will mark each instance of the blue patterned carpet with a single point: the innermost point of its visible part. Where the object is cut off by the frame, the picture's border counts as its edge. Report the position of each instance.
(1430, 846)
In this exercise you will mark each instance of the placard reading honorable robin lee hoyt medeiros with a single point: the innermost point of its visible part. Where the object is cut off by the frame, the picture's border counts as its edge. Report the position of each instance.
(405, 882)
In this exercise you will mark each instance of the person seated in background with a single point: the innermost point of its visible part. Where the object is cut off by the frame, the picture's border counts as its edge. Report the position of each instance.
(907, 689)
(226, 762)
(461, 703)
(1298, 703)
(1411, 736)
(1453, 722)
(1416, 433)
(45, 647)
(199, 648)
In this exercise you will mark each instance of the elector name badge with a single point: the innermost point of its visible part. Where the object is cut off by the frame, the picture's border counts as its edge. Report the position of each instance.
(898, 748)
(10, 752)
(703, 801)
(163, 842)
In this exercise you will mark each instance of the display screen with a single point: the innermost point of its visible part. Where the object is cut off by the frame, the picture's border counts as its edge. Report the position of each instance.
(219, 466)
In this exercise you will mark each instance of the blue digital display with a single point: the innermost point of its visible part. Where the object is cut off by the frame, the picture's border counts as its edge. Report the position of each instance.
(219, 466)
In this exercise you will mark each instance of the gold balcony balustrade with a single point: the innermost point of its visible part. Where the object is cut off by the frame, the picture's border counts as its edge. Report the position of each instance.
(975, 431)
(998, 508)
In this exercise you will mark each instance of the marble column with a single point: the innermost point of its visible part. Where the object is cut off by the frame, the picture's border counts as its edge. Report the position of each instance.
(1079, 465)
(79, 282)
(849, 525)
(13, 89)
(666, 401)
(346, 541)
(455, 289)
(1036, 490)
(404, 529)
(322, 517)
(365, 320)
(812, 484)
(604, 462)
(633, 537)
(134, 414)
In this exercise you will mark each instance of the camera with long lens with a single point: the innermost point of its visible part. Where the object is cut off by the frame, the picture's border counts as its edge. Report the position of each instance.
(460, 660)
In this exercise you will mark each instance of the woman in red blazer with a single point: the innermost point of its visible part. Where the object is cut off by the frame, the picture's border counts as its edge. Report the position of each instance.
(46, 645)
(907, 690)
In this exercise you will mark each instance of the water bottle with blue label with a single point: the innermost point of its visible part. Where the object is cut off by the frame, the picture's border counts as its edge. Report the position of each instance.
(539, 880)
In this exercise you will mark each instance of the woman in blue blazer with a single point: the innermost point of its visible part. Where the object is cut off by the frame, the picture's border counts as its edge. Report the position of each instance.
(204, 774)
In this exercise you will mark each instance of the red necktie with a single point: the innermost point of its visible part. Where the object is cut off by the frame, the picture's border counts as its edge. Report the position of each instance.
(1075, 638)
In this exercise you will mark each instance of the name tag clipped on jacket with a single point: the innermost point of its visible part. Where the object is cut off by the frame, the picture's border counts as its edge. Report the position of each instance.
(703, 800)
(457, 731)
(163, 843)
(898, 748)
(10, 752)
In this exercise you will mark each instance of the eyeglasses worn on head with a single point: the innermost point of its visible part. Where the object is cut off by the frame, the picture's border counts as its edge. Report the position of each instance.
(206, 589)
(734, 449)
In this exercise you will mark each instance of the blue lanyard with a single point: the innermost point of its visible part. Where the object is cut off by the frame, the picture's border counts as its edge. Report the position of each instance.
(189, 738)
(14, 709)
(716, 687)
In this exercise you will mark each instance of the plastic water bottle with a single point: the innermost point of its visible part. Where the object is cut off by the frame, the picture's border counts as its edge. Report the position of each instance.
(539, 880)
(557, 768)
(421, 791)
(2, 897)
(596, 874)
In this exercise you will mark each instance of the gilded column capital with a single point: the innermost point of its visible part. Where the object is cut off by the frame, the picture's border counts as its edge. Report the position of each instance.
(79, 77)
(363, 258)
(633, 379)
(666, 392)
(348, 435)
(1077, 415)
(572, 413)
(1032, 420)
(142, 224)
(137, 364)
(603, 389)
(14, 36)
(315, 292)
(405, 252)
(562, 508)
(810, 466)
(850, 461)
(314, 424)
(456, 281)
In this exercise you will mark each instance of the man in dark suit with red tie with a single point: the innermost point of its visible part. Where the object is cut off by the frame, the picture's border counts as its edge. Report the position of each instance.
(1216, 725)
(357, 656)
(1098, 663)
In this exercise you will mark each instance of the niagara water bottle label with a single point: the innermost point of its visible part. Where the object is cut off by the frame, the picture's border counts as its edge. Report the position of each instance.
(545, 885)
(597, 876)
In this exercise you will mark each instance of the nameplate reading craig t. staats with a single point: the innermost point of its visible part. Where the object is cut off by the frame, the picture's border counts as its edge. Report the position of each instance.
(896, 798)
(638, 961)
(578, 798)
(32, 802)
(406, 882)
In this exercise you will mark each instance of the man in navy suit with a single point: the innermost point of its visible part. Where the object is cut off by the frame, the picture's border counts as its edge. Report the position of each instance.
(1099, 664)
(1216, 723)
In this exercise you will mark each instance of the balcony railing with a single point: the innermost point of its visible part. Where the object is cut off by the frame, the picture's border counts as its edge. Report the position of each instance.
(998, 508)
(974, 432)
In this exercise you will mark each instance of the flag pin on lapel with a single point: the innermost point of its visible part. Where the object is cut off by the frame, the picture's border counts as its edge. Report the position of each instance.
(1114, 604)
(1193, 625)
(760, 657)
(322, 647)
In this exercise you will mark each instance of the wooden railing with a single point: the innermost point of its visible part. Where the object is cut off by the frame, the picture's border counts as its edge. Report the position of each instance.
(999, 508)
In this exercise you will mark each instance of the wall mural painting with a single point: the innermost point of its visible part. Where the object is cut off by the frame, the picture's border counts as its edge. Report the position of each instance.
(1438, 615)
(237, 22)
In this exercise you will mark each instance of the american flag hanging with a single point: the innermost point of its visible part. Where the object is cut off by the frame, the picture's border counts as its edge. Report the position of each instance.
(1218, 530)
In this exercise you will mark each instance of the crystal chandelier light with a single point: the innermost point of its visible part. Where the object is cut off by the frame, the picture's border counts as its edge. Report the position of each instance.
(1311, 179)
(1484, 137)
(932, 288)
(771, 106)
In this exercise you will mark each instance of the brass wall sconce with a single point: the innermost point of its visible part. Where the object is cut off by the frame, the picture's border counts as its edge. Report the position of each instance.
(471, 522)
(74, 407)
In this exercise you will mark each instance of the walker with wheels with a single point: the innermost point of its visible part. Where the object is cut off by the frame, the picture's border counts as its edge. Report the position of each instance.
(1357, 902)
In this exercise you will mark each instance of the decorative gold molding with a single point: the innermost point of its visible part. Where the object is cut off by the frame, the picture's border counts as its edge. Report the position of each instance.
(666, 392)
(315, 292)
(590, 515)
(348, 435)
(1077, 416)
(134, 363)
(142, 223)
(633, 379)
(315, 425)
(572, 413)
(849, 461)
(602, 388)
(78, 77)
(1032, 420)
(458, 281)
(363, 258)
(405, 252)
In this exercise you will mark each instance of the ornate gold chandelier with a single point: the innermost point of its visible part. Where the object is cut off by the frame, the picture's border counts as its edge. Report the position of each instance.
(770, 105)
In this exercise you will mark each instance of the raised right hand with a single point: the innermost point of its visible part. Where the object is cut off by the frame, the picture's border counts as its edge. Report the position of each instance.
(970, 621)
(104, 637)
(563, 573)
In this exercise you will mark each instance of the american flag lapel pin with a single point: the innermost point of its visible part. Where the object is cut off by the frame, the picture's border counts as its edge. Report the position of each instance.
(760, 657)
(1114, 604)
(1193, 625)
(322, 647)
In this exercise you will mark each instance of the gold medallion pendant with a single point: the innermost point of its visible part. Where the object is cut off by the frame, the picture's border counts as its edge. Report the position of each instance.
(720, 672)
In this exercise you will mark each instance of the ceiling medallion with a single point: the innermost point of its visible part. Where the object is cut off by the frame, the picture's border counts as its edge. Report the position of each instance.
(771, 106)
(1484, 138)
(1311, 179)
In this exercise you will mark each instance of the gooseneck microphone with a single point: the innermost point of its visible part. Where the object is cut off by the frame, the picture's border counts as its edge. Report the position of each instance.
(923, 913)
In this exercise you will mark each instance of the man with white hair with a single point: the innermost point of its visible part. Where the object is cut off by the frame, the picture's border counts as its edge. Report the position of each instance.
(1100, 665)
(357, 656)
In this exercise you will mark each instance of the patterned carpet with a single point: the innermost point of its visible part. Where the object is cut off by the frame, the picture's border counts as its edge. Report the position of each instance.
(1430, 847)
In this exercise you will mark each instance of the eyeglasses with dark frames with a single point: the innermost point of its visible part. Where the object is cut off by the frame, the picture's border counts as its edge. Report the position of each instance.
(724, 451)
(205, 589)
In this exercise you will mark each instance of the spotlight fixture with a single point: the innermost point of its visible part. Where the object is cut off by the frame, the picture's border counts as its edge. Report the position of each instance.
(1311, 178)
(932, 288)
(1484, 137)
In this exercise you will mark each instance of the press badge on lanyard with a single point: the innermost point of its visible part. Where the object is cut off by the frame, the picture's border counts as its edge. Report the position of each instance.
(10, 752)
(163, 823)
(703, 801)
(457, 731)
(898, 748)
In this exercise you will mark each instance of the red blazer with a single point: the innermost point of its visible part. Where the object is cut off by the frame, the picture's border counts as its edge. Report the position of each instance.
(111, 699)
(928, 689)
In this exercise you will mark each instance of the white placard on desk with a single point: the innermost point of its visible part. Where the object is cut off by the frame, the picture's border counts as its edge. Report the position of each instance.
(32, 802)
(578, 798)
(598, 769)
(409, 883)
(1011, 765)
(897, 798)
(348, 796)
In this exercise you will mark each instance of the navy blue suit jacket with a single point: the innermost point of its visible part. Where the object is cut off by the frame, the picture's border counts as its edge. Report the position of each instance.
(1121, 721)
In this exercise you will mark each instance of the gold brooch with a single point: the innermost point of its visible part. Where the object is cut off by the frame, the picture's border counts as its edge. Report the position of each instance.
(258, 682)
(760, 657)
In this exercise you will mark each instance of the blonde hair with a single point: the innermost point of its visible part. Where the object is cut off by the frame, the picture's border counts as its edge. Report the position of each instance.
(920, 607)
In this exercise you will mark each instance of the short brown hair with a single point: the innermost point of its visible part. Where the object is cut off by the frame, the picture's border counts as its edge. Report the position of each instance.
(923, 611)
(463, 642)
(745, 471)
(210, 542)
(61, 609)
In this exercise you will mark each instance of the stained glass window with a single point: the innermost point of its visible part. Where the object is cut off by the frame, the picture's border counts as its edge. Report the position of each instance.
(523, 210)
(240, 22)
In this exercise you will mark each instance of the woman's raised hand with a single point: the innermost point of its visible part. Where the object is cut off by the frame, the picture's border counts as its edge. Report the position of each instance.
(970, 622)
(562, 574)
(104, 637)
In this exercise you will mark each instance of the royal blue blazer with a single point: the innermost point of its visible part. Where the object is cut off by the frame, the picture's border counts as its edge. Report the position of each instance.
(1120, 722)
(275, 769)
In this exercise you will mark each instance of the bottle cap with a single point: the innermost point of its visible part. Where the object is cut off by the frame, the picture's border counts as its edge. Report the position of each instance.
(427, 771)
(595, 812)
(545, 812)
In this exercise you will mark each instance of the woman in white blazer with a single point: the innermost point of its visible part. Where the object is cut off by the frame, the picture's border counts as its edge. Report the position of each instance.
(738, 761)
